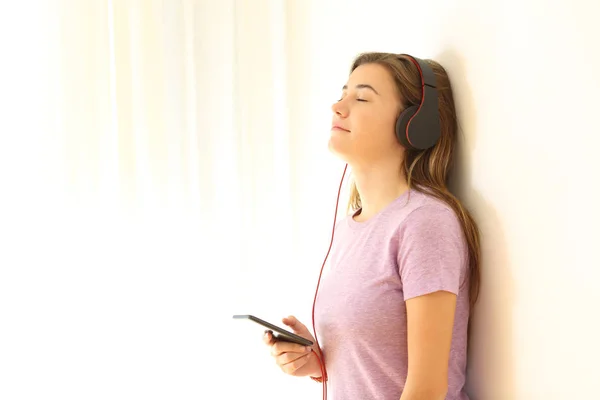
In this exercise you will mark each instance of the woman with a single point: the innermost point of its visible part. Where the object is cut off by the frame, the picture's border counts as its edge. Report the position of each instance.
(392, 313)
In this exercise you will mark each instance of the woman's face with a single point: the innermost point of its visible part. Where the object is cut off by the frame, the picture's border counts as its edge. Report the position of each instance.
(364, 119)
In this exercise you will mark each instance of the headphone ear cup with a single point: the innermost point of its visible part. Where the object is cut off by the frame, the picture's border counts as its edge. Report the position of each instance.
(401, 125)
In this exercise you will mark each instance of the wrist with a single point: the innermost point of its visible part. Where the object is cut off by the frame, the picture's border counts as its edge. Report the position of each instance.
(319, 374)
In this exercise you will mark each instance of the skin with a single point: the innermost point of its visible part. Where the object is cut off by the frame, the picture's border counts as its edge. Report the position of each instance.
(292, 358)
(363, 135)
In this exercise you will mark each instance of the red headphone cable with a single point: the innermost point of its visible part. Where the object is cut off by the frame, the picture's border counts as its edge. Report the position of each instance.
(322, 358)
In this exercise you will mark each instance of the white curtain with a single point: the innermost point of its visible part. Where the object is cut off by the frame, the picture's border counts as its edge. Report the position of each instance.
(153, 156)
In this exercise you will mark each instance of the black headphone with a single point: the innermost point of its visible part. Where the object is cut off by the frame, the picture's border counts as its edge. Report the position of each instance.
(418, 127)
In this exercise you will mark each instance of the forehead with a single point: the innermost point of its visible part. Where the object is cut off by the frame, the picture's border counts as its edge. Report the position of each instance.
(375, 75)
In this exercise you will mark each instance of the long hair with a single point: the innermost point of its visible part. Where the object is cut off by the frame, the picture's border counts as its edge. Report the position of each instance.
(427, 171)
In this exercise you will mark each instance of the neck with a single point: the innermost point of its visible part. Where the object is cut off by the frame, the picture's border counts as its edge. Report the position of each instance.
(378, 186)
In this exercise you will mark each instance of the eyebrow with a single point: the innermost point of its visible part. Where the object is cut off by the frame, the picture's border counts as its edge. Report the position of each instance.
(362, 86)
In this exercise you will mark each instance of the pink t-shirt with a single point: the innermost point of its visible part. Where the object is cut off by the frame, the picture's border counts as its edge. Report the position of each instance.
(413, 247)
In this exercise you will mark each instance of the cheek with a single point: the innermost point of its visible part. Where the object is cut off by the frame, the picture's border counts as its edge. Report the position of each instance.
(377, 131)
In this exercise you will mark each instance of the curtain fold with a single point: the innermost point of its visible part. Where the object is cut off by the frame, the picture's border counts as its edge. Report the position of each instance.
(161, 203)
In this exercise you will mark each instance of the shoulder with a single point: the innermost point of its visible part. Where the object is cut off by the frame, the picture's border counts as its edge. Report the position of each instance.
(432, 250)
(430, 212)
(431, 227)
(423, 211)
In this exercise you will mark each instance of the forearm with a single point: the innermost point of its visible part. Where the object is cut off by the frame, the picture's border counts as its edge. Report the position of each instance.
(423, 391)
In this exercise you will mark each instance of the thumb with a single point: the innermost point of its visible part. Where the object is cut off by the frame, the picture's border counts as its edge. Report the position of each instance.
(297, 326)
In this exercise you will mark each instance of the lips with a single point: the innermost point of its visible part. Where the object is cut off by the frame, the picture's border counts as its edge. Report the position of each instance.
(339, 128)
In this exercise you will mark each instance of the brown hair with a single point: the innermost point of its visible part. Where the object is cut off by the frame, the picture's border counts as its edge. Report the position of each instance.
(427, 171)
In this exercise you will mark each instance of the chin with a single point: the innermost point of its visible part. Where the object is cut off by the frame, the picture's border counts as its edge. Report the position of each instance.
(338, 151)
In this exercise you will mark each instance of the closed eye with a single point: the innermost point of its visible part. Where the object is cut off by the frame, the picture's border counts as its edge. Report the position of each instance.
(363, 100)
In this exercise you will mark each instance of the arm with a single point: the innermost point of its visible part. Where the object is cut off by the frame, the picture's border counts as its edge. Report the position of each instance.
(432, 261)
(430, 319)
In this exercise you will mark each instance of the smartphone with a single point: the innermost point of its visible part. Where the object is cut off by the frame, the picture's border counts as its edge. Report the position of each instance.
(278, 333)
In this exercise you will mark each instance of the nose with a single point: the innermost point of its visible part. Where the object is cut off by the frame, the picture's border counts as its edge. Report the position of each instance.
(339, 109)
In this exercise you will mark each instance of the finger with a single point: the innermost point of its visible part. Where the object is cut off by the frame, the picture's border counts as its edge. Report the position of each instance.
(296, 326)
(268, 338)
(295, 365)
(287, 358)
(292, 322)
(280, 347)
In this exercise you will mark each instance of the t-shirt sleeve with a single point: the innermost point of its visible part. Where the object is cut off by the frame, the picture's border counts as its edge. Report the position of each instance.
(432, 252)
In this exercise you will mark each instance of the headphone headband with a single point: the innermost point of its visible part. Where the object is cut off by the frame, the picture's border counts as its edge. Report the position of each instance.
(418, 127)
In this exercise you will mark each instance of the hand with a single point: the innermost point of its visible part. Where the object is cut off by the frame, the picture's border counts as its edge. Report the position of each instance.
(294, 359)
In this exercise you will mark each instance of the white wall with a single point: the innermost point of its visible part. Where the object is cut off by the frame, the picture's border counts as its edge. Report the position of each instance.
(524, 83)
(526, 86)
